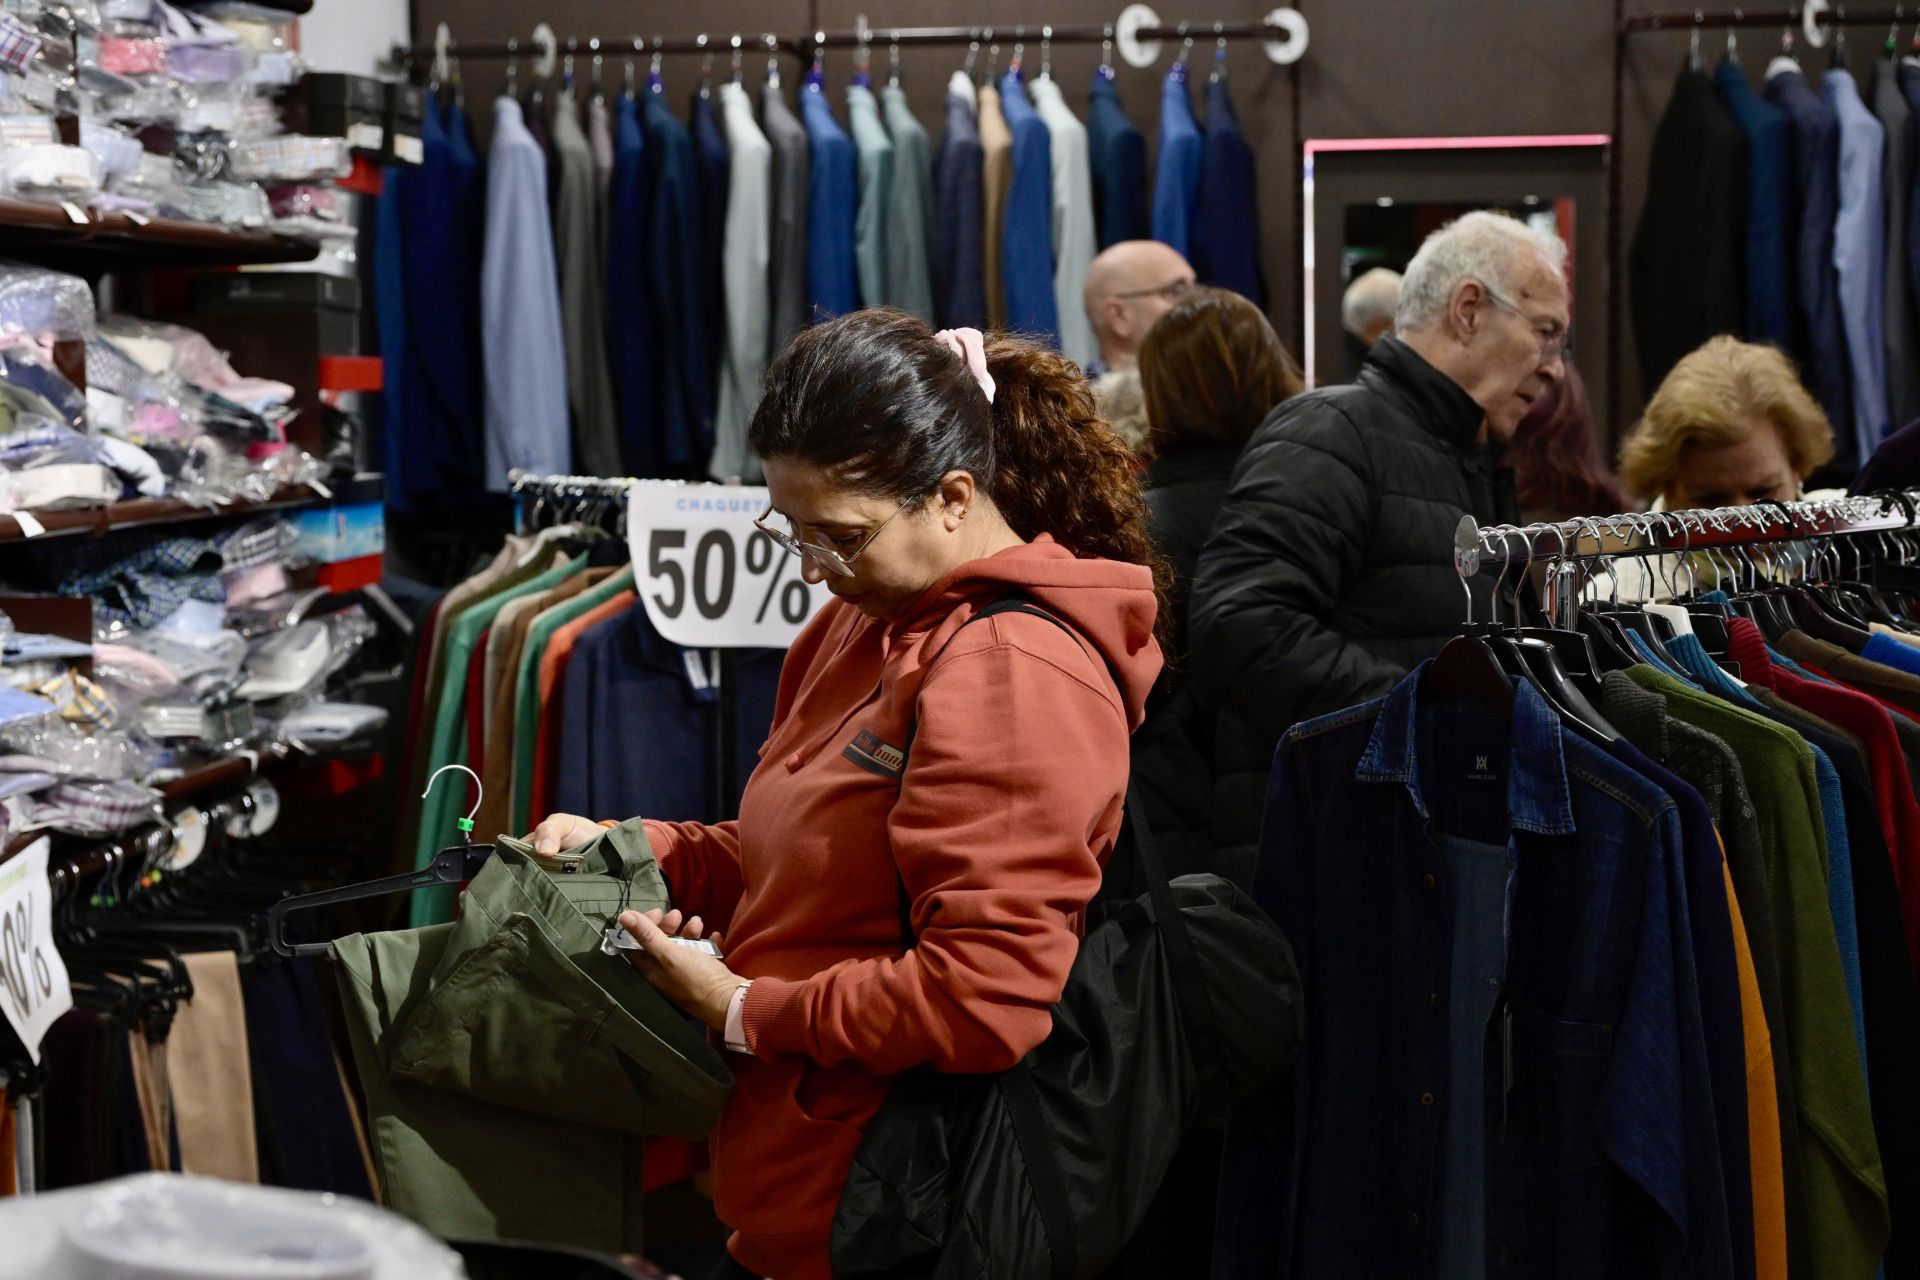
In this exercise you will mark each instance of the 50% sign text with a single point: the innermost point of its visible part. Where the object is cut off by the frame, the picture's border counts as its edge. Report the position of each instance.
(707, 578)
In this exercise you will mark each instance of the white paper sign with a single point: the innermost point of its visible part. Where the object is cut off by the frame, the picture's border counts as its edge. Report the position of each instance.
(707, 577)
(33, 977)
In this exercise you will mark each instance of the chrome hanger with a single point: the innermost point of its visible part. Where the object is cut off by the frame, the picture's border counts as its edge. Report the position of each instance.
(1106, 51)
(773, 61)
(1046, 53)
(893, 61)
(513, 67)
(1219, 53)
(706, 65)
(738, 68)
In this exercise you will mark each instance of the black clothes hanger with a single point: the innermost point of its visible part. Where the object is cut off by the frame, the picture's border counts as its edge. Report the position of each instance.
(1537, 660)
(455, 864)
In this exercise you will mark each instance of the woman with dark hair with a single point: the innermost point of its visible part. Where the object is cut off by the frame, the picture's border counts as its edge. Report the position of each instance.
(979, 774)
(1559, 473)
(1211, 370)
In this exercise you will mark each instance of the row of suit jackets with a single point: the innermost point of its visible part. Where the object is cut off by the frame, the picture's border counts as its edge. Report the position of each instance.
(637, 271)
(1787, 215)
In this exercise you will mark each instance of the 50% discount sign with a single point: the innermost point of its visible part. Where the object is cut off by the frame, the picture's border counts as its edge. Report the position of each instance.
(707, 578)
(33, 978)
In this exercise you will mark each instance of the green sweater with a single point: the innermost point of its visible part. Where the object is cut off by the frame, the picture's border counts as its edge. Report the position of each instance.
(1845, 1188)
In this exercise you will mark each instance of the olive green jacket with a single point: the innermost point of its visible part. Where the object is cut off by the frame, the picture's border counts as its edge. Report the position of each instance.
(512, 1068)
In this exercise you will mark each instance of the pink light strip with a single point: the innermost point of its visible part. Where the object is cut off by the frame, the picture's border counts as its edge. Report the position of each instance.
(1507, 143)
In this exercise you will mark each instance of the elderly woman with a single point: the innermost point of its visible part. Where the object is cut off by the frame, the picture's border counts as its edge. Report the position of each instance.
(1730, 427)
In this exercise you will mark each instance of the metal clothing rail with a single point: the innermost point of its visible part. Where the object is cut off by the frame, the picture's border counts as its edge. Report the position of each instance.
(803, 47)
(519, 482)
(1810, 22)
(1679, 532)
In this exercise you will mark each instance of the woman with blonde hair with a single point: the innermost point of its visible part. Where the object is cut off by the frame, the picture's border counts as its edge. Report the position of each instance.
(1731, 426)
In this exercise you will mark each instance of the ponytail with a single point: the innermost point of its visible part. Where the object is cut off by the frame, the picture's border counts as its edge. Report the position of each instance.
(876, 399)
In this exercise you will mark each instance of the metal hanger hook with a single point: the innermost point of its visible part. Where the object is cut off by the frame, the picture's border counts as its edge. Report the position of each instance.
(479, 790)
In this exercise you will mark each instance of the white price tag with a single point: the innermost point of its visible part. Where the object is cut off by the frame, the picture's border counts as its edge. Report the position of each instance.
(33, 977)
(707, 577)
(30, 526)
(366, 137)
(411, 150)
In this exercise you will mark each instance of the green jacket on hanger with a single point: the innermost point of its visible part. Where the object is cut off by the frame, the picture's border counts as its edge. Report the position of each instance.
(512, 1068)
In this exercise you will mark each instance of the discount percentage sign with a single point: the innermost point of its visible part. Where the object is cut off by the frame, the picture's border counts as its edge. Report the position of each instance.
(794, 601)
(25, 971)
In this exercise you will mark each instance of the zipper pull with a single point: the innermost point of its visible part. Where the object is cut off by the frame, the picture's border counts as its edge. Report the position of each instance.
(1506, 1062)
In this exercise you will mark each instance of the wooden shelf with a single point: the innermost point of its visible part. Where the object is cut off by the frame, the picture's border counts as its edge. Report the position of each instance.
(147, 511)
(47, 235)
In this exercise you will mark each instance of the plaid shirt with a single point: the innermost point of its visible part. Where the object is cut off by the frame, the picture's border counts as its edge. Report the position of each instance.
(81, 701)
(97, 808)
(292, 158)
(18, 44)
(145, 588)
(255, 543)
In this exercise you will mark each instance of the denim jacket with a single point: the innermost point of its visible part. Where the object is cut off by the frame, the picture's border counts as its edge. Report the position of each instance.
(1594, 1137)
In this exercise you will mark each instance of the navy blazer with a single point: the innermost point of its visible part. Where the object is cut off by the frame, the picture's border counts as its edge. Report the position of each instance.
(1771, 295)
(1228, 255)
(959, 247)
(1119, 155)
(1026, 244)
(1814, 135)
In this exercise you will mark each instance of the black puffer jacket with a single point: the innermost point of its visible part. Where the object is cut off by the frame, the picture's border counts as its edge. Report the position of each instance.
(1173, 749)
(1330, 573)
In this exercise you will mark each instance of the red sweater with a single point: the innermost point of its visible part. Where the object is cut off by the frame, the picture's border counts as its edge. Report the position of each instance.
(1008, 807)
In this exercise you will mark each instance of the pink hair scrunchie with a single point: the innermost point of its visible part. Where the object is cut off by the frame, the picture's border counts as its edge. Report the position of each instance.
(971, 347)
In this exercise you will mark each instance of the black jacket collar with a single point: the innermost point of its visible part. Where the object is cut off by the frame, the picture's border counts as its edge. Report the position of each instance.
(1184, 466)
(1439, 403)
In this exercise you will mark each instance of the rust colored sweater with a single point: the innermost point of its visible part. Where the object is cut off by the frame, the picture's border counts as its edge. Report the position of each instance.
(1008, 807)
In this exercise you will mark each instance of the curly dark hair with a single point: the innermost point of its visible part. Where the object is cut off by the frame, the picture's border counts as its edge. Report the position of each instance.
(876, 399)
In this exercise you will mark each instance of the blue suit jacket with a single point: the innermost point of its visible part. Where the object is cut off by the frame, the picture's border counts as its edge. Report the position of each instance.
(959, 249)
(1228, 254)
(1860, 258)
(1182, 154)
(1771, 295)
(833, 197)
(1026, 242)
(710, 155)
(1118, 152)
(674, 280)
(1814, 136)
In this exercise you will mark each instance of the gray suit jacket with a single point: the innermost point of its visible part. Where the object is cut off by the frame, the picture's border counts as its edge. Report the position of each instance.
(787, 257)
(870, 230)
(583, 308)
(743, 354)
(909, 209)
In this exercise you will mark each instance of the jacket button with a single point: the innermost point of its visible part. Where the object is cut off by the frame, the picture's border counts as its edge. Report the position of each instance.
(1428, 880)
(793, 762)
(1413, 1219)
(1426, 1099)
(1434, 999)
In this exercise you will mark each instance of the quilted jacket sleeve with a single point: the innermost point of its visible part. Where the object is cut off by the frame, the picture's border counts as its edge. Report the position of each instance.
(1290, 538)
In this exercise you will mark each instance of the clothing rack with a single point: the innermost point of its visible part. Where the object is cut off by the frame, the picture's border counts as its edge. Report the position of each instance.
(1679, 532)
(803, 47)
(1813, 23)
(526, 484)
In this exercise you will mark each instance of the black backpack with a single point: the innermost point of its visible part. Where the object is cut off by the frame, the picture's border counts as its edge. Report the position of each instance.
(1183, 1000)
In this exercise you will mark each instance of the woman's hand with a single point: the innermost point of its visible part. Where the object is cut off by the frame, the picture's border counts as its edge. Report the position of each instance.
(693, 980)
(559, 832)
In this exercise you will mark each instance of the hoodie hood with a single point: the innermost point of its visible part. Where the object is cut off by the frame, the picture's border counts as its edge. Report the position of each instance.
(1110, 605)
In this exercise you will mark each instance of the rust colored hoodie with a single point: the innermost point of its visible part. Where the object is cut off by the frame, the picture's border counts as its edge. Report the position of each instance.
(1008, 807)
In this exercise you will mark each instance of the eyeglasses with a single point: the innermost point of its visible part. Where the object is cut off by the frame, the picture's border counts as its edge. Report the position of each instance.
(1551, 335)
(829, 558)
(1172, 291)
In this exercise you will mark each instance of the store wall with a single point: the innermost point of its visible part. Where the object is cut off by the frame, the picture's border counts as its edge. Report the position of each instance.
(1376, 68)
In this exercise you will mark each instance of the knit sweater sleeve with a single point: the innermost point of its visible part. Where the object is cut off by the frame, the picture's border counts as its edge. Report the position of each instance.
(998, 837)
(701, 862)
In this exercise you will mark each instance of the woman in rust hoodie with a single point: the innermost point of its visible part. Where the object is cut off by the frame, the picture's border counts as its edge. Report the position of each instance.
(920, 477)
